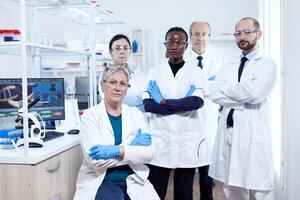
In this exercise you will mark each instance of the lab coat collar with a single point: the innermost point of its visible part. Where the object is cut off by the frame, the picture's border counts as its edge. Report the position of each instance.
(252, 54)
(105, 119)
(107, 124)
(252, 58)
(194, 55)
(206, 57)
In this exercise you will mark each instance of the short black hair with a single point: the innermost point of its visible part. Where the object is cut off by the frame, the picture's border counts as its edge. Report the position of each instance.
(179, 29)
(118, 37)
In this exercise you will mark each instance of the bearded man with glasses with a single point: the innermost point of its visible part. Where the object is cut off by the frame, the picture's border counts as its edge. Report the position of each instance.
(242, 154)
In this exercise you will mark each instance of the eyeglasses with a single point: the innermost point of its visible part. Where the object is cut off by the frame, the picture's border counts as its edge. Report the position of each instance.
(247, 33)
(198, 34)
(115, 84)
(119, 48)
(175, 42)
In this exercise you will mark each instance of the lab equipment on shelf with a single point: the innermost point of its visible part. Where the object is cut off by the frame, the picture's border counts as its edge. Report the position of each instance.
(10, 35)
(134, 46)
(8, 137)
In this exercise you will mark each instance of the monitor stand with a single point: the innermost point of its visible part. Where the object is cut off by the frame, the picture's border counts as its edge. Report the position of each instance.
(50, 125)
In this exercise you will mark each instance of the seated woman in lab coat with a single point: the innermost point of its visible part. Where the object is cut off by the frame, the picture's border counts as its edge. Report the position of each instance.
(115, 142)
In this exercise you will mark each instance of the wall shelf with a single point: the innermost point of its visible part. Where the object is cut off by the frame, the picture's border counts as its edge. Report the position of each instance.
(228, 38)
(78, 11)
(14, 48)
(58, 3)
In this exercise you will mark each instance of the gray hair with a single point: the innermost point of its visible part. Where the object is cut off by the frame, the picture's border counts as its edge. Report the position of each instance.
(113, 68)
(200, 22)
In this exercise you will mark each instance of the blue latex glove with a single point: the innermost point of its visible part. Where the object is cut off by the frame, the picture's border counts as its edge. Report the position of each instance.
(141, 139)
(191, 90)
(104, 152)
(154, 91)
(212, 78)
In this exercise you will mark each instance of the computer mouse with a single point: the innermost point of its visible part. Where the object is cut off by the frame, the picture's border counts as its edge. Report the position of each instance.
(73, 131)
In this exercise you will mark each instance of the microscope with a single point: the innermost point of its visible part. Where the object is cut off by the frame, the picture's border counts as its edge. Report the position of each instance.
(35, 123)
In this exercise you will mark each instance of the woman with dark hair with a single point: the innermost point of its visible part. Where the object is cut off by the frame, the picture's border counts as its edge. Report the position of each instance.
(120, 50)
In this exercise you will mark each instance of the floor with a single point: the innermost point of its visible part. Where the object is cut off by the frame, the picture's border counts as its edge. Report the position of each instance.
(217, 191)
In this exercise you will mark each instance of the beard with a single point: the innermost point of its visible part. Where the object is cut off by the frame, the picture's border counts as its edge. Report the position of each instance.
(247, 45)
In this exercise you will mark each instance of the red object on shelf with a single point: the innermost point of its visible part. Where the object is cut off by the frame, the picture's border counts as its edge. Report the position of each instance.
(1, 36)
(10, 35)
(17, 32)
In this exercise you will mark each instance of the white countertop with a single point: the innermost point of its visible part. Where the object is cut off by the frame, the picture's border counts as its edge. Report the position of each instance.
(36, 155)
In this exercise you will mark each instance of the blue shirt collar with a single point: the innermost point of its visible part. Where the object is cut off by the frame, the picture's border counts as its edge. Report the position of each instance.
(250, 55)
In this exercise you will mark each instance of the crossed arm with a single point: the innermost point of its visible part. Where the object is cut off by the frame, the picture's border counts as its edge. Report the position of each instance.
(155, 103)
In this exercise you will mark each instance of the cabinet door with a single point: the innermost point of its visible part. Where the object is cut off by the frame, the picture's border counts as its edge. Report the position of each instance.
(16, 182)
(75, 158)
(52, 177)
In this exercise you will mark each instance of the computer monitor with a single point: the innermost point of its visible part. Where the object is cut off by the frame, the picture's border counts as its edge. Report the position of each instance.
(50, 91)
(82, 87)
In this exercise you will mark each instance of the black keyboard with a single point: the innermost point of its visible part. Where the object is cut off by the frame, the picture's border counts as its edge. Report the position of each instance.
(50, 135)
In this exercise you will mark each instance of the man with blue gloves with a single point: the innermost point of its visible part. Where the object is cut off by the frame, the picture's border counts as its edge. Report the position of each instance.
(173, 97)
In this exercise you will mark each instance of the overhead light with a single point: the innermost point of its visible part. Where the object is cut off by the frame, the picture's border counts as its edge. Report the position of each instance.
(77, 10)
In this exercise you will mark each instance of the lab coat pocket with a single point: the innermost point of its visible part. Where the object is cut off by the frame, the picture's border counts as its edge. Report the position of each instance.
(197, 148)
(203, 151)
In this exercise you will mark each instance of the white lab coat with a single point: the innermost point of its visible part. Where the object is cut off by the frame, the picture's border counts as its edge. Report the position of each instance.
(96, 129)
(138, 86)
(178, 138)
(250, 163)
(209, 113)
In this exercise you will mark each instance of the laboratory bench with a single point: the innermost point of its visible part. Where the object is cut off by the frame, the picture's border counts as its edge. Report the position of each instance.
(49, 172)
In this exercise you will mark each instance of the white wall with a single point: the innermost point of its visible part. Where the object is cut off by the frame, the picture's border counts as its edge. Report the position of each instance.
(156, 17)
(291, 96)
